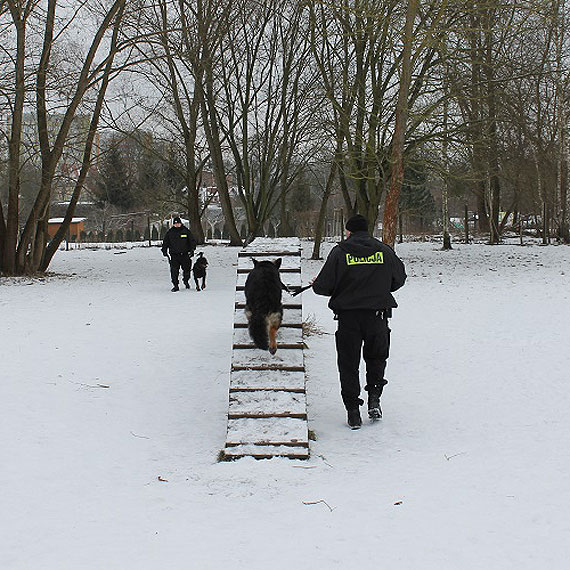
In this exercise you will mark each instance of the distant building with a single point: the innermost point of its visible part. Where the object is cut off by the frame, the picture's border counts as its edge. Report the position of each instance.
(75, 228)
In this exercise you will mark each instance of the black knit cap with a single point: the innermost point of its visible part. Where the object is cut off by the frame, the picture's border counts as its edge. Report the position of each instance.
(357, 223)
(176, 220)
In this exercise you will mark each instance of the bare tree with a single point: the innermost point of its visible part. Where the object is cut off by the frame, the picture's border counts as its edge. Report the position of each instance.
(562, 84)
(57, 103)
(263, 103)
(168, 56)
(358, 48)
(502, 74)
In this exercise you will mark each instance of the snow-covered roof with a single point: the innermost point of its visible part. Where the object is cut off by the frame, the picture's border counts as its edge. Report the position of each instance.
(60, 220)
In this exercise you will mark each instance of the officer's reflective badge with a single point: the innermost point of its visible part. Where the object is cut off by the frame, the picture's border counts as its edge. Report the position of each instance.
(374, 259)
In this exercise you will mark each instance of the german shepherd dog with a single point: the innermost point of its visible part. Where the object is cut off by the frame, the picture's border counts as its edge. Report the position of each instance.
(263, 307)
(199, 271)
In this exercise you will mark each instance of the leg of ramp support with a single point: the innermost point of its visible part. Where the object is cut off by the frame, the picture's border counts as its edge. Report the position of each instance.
(267, 414)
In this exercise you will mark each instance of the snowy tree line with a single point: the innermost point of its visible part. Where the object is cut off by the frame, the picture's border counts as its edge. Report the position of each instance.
(343, 98)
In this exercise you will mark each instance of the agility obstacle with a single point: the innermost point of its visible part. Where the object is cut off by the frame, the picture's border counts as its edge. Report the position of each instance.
(267, 414)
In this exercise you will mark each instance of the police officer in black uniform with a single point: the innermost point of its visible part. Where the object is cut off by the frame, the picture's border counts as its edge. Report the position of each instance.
(181, 244)
(359, 275)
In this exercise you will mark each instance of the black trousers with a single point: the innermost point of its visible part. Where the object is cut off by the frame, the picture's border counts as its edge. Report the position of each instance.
(355, 330)
(178, 260)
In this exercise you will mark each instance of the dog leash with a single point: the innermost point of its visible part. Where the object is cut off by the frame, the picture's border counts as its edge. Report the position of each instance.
(299, 290)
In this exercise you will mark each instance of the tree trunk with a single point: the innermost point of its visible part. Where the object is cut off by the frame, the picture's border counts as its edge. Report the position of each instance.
(476, 121)
(210, 119)
(9, 231)
(466, 223)
(445, 189)
(564, 225)
(493, 147)
(398, 139)
(323, 212)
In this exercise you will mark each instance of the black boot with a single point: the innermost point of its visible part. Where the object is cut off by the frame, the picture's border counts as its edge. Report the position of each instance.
(354, 420)
(175, 288)
(374, 409)
(186, 284)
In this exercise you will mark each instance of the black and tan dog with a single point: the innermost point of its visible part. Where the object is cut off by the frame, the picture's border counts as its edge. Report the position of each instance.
(199, 271)
(263, 307)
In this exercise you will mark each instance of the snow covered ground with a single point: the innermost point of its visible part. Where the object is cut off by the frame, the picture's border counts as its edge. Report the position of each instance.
(114, 397)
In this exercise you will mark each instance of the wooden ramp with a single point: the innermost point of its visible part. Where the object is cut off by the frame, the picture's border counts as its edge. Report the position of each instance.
(267, 414)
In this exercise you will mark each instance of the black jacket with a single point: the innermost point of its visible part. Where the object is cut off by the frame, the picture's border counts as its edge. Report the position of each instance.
(360, 273)
(179, 241)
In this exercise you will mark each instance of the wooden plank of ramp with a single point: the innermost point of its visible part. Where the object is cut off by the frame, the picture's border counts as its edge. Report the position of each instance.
(267, 413)
(293, 317)
(291, 279)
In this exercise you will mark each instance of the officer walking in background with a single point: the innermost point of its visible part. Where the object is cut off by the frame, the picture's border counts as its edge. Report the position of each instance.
(359, 275)
(181, 244)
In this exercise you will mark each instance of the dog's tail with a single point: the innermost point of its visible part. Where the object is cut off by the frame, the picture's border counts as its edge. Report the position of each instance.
(258, 331)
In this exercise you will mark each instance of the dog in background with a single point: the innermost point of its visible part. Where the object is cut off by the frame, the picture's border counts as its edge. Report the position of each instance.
(263, 307)
(199, 271)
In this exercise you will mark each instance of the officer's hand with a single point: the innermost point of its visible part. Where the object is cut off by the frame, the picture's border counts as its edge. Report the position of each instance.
(165, 254)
